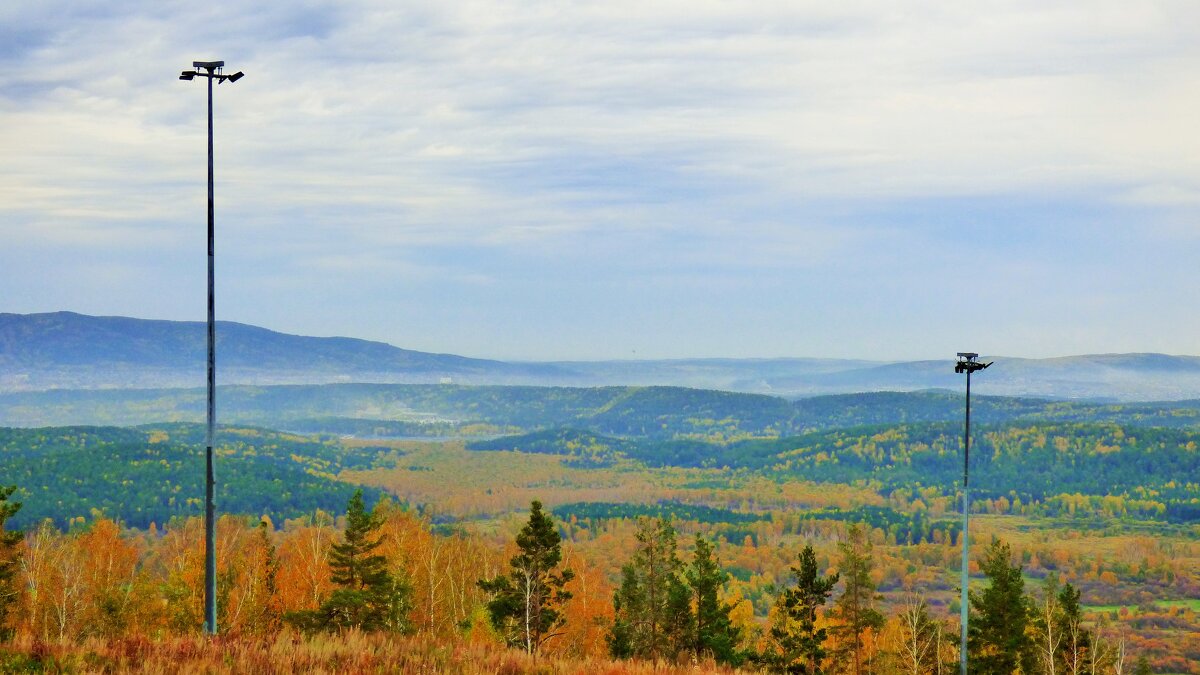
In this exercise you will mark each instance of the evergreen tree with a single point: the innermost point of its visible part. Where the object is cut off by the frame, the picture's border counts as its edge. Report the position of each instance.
(369, 597)
(997, 640)
(854, 610)
(8, 557)
(627, 606)
(1143, 666)
(1077, 640)
(526, 604)
(715, 634)
(680, 623)
(653, 617)
(799, 646)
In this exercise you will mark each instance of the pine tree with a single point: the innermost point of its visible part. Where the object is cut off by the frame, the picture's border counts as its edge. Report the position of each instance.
(715, 634)
(369, 597)
(8, 557)
(996, 639)
(1077, 640)
(526, 607)
(1143, 666)
(653, 617)
(799, 646)
(627, 606)
(854, 610)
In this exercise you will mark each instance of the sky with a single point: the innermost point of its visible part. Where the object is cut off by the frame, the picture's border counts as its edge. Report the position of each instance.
(616, 180)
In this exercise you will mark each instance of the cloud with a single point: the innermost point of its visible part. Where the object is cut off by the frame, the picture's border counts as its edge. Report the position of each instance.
(667, 142)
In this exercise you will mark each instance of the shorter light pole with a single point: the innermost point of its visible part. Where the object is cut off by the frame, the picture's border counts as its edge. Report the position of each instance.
(966, 364)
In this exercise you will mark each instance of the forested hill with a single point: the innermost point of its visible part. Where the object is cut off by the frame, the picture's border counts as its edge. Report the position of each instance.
(657, 412)
(150, 475)
(1153, 472)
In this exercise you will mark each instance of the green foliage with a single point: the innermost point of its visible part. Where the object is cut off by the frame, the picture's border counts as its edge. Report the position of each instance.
(653, 617)
(855, 607)
(369, 597)
(583, 447)
(997, 640)
(8, 556)
(798, 646)
(154, 474)
(592, 512)
(914, 527)
(715, 634)
(526, 604)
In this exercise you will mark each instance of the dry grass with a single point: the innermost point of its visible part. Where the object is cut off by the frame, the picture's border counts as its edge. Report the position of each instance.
(351, 652)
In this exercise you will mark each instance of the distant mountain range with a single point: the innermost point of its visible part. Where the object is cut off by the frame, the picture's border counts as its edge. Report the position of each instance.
(65, 350)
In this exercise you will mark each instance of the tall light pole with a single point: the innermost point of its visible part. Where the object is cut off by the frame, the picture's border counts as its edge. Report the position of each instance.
(213, 71)
(966, 363)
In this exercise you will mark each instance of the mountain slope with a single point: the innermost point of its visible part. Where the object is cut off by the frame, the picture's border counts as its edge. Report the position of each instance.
(64, 350)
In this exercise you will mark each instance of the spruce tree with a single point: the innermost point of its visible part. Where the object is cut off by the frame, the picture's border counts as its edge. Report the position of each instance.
(8, 557)
(526, 603)
(854, 610)
(368, 597)
(997, 640)
(715, 634)
(799, 646)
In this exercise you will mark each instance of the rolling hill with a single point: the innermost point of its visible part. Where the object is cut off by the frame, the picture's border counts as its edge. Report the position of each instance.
(65, 350)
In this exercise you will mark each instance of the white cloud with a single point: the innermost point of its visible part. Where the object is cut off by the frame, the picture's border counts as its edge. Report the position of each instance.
(655, 138)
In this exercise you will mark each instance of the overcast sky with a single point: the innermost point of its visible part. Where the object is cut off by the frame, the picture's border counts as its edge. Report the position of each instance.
(553, 180)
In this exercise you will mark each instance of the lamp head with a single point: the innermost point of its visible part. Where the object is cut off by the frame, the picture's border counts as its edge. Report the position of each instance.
(236, 76)
(967, 364)
(187, 74)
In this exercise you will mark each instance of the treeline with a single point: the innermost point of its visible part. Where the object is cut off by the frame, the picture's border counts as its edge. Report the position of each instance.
(591, 513)
(383, 570)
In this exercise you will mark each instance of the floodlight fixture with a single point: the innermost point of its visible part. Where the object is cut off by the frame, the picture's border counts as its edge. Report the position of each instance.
(966, 363)
(212, 71)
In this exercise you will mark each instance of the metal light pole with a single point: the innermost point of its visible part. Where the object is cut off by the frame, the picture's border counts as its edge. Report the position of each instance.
(966, 364)
(212, 71)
